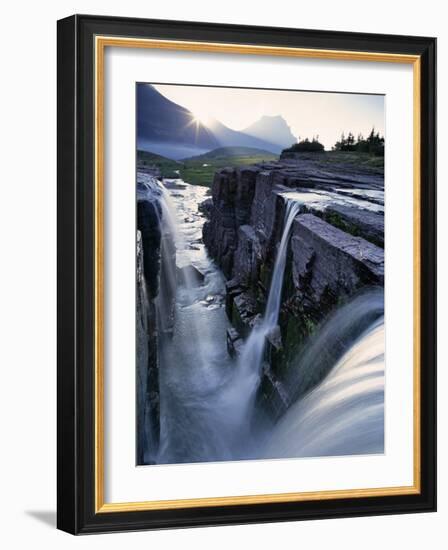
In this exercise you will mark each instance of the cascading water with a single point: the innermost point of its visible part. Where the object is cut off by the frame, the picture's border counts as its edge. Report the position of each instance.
(249, 368)
(149, 187)
(344, 414)
(194, 363)
(207, 400)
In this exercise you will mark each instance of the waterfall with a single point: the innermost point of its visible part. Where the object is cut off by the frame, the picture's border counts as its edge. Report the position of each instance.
(275, 291)
(150, 188)
(195, 414)
(342, 415)
(252, 354)
(333, 338)
(207, 401)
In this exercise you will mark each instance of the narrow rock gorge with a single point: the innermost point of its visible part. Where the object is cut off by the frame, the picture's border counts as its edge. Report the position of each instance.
(335, 251)
(205, 269)
(155, 301)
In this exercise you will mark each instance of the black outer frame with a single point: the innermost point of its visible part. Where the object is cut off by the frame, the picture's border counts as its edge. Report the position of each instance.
(75, 403)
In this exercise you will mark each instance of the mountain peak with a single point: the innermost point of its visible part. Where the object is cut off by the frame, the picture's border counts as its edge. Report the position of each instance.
(273, 128)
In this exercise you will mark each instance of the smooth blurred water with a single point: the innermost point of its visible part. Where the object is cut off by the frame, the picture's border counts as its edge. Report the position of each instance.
(207, 400)
(344, 414)
(251, 358)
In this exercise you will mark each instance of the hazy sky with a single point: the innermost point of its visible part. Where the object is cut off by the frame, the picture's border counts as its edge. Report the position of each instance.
(306, 113)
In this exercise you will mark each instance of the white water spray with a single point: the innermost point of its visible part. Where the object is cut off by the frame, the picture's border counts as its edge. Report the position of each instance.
(344, 414)
(252, 355)
(207, 401)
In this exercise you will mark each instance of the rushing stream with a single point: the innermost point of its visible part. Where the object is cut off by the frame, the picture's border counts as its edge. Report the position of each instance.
(207, 399)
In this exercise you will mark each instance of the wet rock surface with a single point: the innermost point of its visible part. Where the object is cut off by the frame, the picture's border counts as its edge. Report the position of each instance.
(326, 260)
(148, 397)
(234, 342)
(232, 195)
(335, 249)
(358, 222)
(148, 224)
(152, 288)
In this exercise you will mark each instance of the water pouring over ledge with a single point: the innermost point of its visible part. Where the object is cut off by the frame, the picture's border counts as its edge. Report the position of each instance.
(250, 361)
(344, 414)
(208, 400)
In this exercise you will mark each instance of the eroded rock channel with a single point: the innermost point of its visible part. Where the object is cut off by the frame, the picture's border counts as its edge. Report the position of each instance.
(205, 266)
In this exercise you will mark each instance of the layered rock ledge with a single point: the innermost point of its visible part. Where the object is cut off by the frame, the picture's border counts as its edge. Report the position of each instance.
(151, 326)
(335, 250)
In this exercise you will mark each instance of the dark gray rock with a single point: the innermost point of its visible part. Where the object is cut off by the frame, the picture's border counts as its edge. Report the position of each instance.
(205, 207)
(245, 191)
(233, 288)
(148, 223)
(241, 307)
(323, 171)
(148, 401)
(247, 256)
(358, 222)
(332, 253)
(325, 268)
(155, 289)
(272, 395)
(234, 343)
(232, 195)
(244, 312)
(327, 262)
(265, 214)
(274, 338)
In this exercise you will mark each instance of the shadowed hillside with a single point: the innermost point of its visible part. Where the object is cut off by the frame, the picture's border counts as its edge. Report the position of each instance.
(167, 128)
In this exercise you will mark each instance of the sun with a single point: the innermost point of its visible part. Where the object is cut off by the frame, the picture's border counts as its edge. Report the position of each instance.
(201, 117)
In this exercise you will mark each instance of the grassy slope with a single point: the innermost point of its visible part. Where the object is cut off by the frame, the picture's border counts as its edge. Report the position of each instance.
(230, 152)
(192, 170)
(352, 157)
(167, 166)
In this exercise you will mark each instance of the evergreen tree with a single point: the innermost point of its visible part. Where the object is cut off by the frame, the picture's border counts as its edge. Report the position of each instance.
(373, 144)
(306, 146)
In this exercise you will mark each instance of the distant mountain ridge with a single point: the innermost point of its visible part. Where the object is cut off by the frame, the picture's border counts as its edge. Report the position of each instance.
(164, 126)
(229, 152)
(167, 129)
(232, 138)
(273, 126)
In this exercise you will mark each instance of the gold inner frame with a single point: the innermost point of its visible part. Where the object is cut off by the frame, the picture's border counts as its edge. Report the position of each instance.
(101, 42)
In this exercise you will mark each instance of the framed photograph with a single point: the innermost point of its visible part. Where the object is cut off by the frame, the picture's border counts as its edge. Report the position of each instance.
(246, 274)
